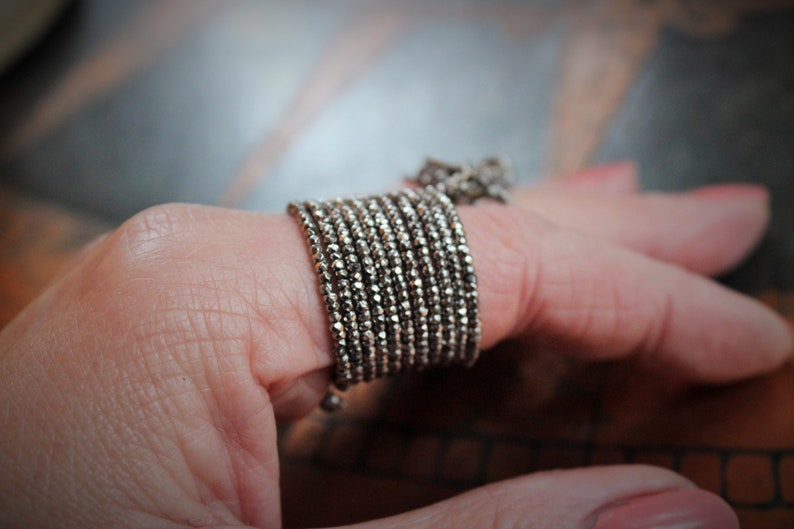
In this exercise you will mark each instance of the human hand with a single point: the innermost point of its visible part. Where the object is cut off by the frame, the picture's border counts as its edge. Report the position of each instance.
(143, 388)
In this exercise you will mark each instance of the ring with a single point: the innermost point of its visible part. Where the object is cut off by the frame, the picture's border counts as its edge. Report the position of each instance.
(396, 275)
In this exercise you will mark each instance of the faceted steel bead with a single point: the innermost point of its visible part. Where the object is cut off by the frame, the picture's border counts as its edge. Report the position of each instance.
(381, 292)
(403, 316)
(353, 350)
(342, 373)
(406, 276)
(456, 295)
(441, 295)
(474, 330)
(371, 302)
(425, 283)
(355, 301)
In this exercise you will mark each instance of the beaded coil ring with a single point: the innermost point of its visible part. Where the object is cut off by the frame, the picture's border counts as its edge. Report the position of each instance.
(396, 277)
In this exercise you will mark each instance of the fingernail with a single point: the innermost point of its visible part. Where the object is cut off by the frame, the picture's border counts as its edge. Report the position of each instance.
(675, 509)
(732, 191)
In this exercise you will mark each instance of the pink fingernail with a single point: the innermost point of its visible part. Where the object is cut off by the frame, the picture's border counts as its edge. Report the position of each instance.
(732, 191)
(675, 509)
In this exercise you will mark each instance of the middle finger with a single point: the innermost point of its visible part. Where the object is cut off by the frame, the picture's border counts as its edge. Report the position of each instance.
(707, 231)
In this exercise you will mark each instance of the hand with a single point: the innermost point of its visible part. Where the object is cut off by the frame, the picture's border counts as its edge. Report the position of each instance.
(142, 389)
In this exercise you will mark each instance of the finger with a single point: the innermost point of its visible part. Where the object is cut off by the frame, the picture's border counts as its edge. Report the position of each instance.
(618, 497)
(707, 231)
(556, 288)
(619, 178)
(83, 253)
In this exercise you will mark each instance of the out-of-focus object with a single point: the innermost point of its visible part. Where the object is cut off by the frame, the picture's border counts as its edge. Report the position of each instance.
(22, 22)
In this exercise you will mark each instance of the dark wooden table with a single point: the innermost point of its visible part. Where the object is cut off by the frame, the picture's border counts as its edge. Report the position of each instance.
(125, 104)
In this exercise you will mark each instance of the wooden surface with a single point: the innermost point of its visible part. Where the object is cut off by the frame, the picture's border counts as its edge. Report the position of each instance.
(251, 104)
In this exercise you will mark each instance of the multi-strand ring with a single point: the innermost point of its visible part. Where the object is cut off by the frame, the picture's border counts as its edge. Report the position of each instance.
(396, 274)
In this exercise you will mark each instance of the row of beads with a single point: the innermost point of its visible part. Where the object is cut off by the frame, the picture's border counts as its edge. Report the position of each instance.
(397, 281)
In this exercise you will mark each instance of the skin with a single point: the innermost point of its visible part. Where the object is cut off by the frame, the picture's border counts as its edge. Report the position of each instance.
(142, 389)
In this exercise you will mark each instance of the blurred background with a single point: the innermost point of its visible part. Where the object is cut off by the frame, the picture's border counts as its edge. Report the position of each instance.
(110, 106)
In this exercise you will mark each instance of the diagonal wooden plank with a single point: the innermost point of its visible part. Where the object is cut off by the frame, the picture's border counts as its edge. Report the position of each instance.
(604, 51)
(156, 28)
(608, 43)
(348, 56)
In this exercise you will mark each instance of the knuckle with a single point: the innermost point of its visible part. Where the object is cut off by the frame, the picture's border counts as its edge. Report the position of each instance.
(145, 272)
(599, 306)
(153, 234)
(583, 305)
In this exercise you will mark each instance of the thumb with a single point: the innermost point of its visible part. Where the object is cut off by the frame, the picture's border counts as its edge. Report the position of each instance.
(616, 497)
